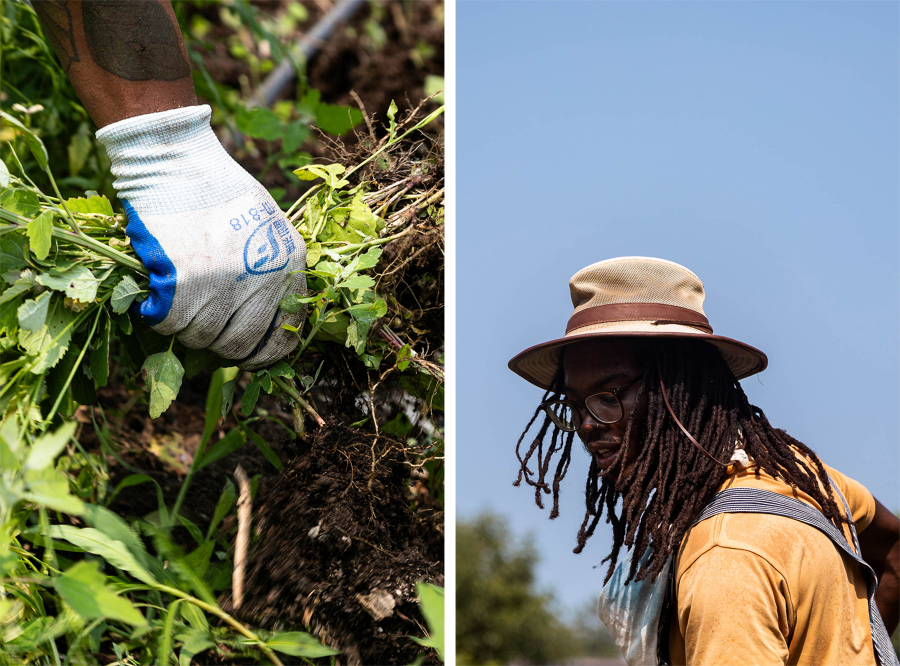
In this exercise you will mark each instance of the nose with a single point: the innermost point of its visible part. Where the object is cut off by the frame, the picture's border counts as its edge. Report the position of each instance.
(590, 427)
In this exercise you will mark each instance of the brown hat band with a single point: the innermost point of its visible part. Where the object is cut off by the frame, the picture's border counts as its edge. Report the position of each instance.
(655, 312)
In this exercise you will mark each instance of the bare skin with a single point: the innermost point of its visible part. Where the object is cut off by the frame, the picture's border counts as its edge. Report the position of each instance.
(125, 58)
(599, 365)
(880, 545)
(596, 365)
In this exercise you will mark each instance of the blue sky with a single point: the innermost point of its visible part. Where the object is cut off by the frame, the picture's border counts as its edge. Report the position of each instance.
(755, 143)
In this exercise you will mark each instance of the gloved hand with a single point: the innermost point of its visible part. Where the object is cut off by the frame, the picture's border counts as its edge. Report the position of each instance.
(220, 252)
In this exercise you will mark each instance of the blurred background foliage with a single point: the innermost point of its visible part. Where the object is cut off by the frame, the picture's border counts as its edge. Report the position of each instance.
(233, 46)
(501, 615)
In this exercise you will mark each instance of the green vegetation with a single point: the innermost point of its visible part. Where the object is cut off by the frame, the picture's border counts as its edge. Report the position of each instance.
(77, 580)
(500, 617)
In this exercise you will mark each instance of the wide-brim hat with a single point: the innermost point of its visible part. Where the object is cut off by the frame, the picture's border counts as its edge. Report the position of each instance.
(638, 297)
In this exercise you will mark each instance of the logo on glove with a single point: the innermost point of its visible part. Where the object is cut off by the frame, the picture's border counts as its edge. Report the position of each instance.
(269, 247)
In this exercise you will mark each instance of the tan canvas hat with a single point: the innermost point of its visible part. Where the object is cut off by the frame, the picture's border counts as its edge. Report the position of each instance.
(635, 297)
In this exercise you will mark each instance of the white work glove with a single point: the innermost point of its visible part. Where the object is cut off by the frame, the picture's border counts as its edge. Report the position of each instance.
(220, 252)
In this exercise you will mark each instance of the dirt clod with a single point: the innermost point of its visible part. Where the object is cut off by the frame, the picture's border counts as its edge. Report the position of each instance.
(342, 551)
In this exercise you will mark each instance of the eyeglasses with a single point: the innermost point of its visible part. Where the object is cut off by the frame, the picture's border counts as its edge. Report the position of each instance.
(605, 407)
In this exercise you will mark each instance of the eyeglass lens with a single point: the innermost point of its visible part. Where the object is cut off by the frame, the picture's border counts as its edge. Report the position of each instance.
(563, 416)
(605, 407)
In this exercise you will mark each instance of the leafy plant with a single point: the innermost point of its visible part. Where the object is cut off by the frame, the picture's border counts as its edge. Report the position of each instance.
(76, 579)
(69, 278)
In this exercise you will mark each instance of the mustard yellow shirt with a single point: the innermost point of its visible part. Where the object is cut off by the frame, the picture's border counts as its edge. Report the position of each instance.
(756, 589)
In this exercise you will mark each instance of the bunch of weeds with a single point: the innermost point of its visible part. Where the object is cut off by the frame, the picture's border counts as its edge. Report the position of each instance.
(69, 278)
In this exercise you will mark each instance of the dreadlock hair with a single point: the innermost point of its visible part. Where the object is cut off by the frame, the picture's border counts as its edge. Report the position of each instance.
(671, 481)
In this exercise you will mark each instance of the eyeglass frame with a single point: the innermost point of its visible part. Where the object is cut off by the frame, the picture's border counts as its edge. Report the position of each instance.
(578, 406)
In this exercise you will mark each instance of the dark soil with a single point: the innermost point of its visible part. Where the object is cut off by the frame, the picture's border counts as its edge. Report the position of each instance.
(340, 550)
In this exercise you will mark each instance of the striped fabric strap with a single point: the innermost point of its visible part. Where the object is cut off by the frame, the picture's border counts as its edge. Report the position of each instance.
(754, 500)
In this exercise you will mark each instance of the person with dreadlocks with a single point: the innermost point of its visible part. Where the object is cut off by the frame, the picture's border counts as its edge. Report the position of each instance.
(743, 547)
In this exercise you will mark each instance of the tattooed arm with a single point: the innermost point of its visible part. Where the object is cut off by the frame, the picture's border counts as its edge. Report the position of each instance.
(124, 57)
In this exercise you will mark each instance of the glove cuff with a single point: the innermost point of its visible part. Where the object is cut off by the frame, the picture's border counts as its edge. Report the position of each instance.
(172, 161)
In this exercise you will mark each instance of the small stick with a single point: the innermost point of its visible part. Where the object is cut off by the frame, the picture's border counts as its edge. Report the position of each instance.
(287, 388)
(243, 537)
(362, 107)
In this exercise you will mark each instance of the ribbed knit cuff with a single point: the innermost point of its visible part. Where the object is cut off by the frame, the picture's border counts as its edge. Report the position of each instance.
(172, 161)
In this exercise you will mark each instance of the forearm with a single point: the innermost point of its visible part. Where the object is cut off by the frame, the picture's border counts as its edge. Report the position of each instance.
(124, 57)
(880, 545)
(888, 595)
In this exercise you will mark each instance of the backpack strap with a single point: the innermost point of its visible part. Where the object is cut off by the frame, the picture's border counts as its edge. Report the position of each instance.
(755, 500)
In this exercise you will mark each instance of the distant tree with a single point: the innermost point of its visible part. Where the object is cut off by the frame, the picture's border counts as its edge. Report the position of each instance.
(500, 616)
(592, 636)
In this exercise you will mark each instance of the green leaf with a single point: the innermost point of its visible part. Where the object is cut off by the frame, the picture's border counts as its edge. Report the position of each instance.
(369, 259)
(403, 357)
(192, 645)
(49, 445)
(357, 282)
(50, 488)
(336, 119)
(432, 85)
(12, 250)
(431, 601)
(124, 294)
(360, 223)
(281, 369)
(313, 252)
(94, 541)
(292, 303)
(77, 282)
(79, 150)
(192, 529)
(50, 342)
(334, 327)
(20, 202)
(213, 404)
(40, 233)
(168, 633)
(113, 526)
(294, 135)
(163, 373)
(362, 219)
(95, 204)
(34, 143)
(123, 322)
(84, 589)
(197, 360)
(83, 390)
(100, 352)
(9, 324)
(223, 506)
(424, 386)
(227, 396)
(265, 449)
(20, 286)
(391, 115)
(330, 172)
(260, 123)
(251, 395)
(234, 440)
(368, 312)
(33, 313)
(299, 644)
